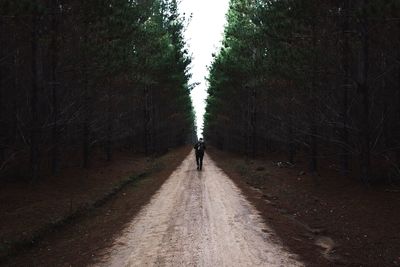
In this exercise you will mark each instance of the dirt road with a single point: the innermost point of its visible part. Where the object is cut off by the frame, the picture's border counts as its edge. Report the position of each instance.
(198, 219)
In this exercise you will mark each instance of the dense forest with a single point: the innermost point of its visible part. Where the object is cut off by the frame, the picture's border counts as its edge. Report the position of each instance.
(83, 76)
(317, 79)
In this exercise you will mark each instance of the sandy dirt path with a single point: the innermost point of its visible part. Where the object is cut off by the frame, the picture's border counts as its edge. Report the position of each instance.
(198, 218)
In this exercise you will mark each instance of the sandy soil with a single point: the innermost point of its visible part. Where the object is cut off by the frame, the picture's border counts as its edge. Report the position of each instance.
(198, 219)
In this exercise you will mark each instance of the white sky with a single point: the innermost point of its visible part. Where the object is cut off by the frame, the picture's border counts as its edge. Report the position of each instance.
(203, 36)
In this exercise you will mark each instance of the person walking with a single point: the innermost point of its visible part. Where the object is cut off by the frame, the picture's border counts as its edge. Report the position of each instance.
(199, 148)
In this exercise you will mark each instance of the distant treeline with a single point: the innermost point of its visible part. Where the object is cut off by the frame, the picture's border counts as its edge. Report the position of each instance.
(77, 75)
(321, 77)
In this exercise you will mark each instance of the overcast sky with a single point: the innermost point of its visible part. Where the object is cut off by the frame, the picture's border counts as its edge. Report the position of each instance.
(203, 36)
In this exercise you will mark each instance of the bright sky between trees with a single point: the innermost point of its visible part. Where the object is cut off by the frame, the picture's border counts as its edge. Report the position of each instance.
(203, 36)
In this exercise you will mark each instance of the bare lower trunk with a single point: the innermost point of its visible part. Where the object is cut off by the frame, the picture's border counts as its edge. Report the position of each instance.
(86, 126)
(86, 107)
(290, 142)
(146, 123)
(313, 103)
(2, 135)
(398, 119)
(344, 157)
(253, 123)
(54, 55)
(2, 117)
(109, 127)
(398, 100)
(314, 147)
(364, 90)
(148, 117)
(34, 146)
(15, 82)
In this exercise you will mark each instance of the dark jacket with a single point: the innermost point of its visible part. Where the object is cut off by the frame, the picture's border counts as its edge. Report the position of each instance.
(200, 147)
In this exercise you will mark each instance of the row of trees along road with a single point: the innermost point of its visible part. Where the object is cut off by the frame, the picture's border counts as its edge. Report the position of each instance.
(78, 75)
(320, 77)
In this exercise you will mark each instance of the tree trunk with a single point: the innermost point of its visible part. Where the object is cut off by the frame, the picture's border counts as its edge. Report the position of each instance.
(109, 125)
(86, 126)
(253, 122)
(2, 117)
(344, 157)
(14, 124)
(132, 138)
(34, 131)
(291, 149)
(2, 124)
(398, 97)
(313, 103)
(314, 146)
(290, 141)
(86, 106)
(54, 59)
(154, 145)
(148, 121)
(364, 90)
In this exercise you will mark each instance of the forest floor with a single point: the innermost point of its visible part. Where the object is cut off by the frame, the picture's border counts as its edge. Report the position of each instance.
(327, 220)
(65, 220)
(163, 212)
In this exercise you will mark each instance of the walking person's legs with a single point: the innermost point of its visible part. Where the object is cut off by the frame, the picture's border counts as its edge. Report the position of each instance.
(201, 160)
(198, 160)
